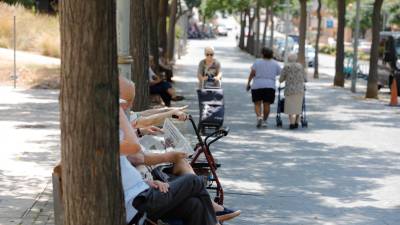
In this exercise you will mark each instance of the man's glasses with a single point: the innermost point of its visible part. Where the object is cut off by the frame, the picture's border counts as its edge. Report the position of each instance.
(209, 54)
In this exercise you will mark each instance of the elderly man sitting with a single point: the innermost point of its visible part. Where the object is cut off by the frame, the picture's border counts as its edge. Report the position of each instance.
(180, 166)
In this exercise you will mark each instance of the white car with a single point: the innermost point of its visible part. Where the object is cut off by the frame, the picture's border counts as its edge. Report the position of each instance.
(222, 30)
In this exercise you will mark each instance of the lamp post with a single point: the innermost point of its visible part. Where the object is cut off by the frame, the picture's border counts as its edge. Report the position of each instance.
(355, 46)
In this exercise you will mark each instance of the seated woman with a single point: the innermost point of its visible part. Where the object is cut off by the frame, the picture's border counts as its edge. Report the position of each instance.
(165, 66)
(161, 87)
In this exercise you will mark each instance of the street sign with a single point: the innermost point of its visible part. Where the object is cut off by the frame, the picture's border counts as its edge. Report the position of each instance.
(329, 23)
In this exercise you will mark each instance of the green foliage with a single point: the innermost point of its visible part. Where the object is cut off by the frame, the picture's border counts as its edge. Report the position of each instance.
(26, 3)
(327, 50)
(193, 3)
(394, 13)
(365, 16)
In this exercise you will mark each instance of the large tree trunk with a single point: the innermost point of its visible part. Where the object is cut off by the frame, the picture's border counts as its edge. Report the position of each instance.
(339, 75)
(140, 54)
(171, 29)
(256, 49)
(153, 22)
(91, 180)
(302, 30)
(250, 36)
(271, 40)
(316, 61)
(264, 38)
(243, 17)
(162, 29)
(372, 86)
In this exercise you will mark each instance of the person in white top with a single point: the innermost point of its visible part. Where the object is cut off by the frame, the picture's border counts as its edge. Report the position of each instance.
(263, 74)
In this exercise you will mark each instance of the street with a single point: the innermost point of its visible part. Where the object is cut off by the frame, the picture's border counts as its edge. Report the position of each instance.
(343, 169)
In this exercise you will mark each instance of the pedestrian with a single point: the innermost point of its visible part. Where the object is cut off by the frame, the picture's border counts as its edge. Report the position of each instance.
(209, 68)
(263, 74)
(295, 76)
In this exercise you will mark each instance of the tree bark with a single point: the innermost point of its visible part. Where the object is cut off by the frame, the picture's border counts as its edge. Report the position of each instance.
(372, 86)
(271, 40)
(302, 31)
(171, 29)
(256, 50)
(264, 38)
(162, 29)
(250, 36)
(152, 6)
(339, 76)
(91, 180)
(140, 54)
(316, 62)
(243, 16)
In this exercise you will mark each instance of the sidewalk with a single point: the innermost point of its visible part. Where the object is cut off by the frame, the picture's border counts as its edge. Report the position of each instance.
(344, 169)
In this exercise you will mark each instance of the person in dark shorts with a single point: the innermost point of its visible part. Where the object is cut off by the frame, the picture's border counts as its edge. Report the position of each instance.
(262, 81)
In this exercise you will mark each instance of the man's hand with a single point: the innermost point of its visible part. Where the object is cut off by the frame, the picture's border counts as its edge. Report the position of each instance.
(248, 87)
(174, 157)
(152, 130)
(163, 187)
(182, 116)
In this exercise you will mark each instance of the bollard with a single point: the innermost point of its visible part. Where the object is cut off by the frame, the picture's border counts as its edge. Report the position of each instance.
(393, 93)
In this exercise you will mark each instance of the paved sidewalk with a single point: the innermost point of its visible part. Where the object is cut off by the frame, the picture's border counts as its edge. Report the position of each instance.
(29, 149)
(344, 169)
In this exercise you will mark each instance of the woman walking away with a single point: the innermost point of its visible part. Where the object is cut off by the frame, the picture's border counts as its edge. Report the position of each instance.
(209, 68)
(294, 75)
(263, 74)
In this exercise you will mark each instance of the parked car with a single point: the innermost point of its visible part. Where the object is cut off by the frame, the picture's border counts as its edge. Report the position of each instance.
(309, 54)
(222, 30)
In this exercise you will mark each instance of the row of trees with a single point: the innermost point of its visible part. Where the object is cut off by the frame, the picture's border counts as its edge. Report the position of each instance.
(249, 11)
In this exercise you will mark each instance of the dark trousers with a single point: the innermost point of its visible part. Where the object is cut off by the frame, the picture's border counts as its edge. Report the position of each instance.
(187, 199)
(162, 90)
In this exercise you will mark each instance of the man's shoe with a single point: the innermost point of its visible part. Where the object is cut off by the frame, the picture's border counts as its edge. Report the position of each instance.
(177, 98)
(227, 214)
(259, 123)
(264, 124)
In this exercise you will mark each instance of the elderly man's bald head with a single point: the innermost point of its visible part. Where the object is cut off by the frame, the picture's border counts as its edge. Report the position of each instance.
(126, 91)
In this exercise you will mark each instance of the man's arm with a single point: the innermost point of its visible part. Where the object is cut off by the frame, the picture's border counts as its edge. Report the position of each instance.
(251, 76)
(158, 119)
(150, 112)
(129, 144)
(151, 159)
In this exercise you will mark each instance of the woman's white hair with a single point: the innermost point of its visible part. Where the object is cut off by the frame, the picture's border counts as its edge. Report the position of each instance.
(292, 58)
(208, 49)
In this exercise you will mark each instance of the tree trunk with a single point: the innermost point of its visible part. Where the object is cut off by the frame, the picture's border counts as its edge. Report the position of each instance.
(243, 16)
(316, 62)
(91, 180)
(171, 29)
(264, 38)
(256, 49)
(162, 29)
(372, 86)
(153, 13)
(271, 40)
(140, 54)
(302, 31)
(339, 76)
(250, 36)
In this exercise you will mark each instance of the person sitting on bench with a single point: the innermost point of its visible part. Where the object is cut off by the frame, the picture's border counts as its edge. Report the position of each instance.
(178, 159)
(161, 87)
(184, 198)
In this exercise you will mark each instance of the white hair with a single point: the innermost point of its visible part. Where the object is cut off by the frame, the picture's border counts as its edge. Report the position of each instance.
(292, 58)
(208, 49)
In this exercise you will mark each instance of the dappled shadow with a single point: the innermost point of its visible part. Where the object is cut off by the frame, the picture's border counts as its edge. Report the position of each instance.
(343, 169)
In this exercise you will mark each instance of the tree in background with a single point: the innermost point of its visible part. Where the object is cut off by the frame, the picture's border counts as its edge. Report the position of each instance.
(372, 86)
(339, 75)
(162, 27)
(91, 180)
(171, 28)
(153, 25)
(139, 39)
(303, 32)
(316, 60)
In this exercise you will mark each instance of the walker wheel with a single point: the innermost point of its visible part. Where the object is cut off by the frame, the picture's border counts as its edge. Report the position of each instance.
(304, 124)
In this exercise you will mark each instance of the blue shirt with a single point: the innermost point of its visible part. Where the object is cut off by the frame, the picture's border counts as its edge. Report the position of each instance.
(266, 72)
(132, 183)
